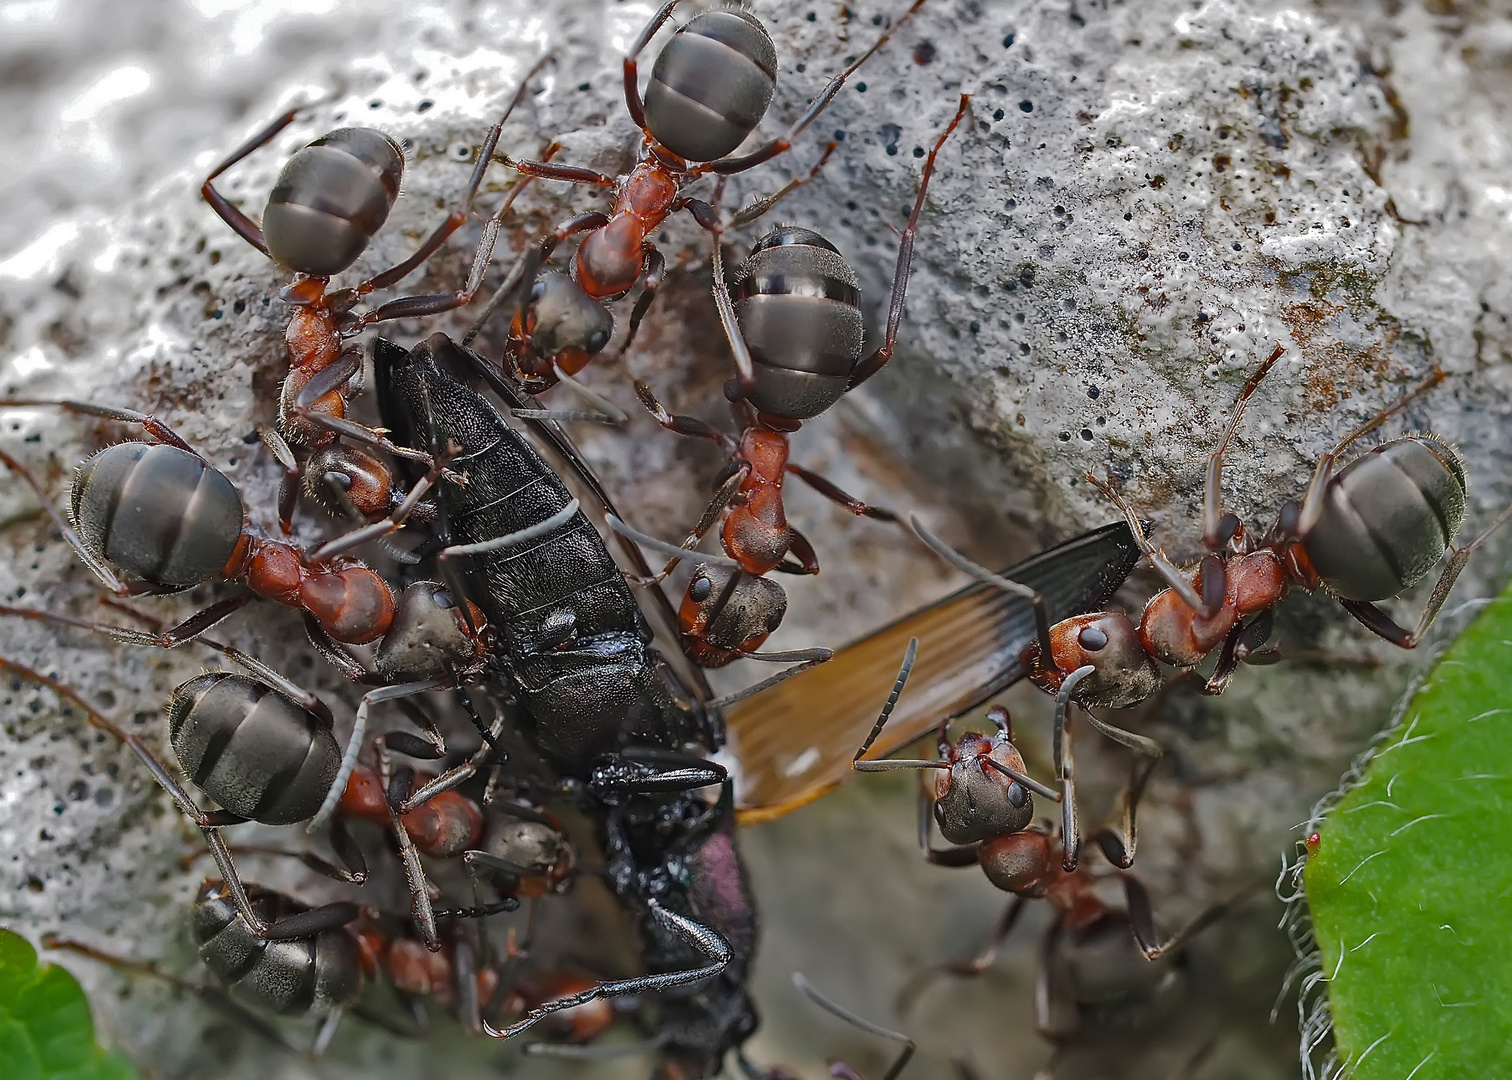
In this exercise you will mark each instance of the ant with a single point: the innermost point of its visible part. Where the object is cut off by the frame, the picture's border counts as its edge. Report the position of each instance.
(330, 200)
(798, 317)
(982, 801)
(1364, 533)
(709, 89)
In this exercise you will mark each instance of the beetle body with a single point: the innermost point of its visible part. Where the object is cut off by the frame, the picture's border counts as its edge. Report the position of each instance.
(571, 636)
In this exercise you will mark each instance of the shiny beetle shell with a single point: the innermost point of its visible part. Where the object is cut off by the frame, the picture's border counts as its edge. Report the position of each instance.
(711, 85)
(291, 977)
(252, 750)
(330, 200)
(795, 299)
(157, 513)
(1387, 518)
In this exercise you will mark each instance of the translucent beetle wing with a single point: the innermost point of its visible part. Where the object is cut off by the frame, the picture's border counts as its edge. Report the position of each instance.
(794, 742)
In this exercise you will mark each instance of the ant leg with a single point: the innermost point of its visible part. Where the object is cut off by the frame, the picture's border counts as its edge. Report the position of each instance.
(782, 143)
(964, 969)
(755, 209)
(211, 996)
(801, 659)
(1377, 622)
(802, 557)
(95, 565)
(1242, 644)
(682, 425)
(653, 271)
(997, 581)
(1219, 528)
(421, 912)
(451, 778)
(633, 102)
(1055, 1012)
(651, 543)
(354, 744)
(745, 366)
(706, 520)
(556, 521)
(604, 411)
(232, 215)
(1312, 502)
(1142, 919)
(839, 497)
(1118, 844)
(1167, 570)
(1065, 771)
(694, 934)
(839, 1069)
(150, 424)
(874, 363)
(545, 170)
(429, 305)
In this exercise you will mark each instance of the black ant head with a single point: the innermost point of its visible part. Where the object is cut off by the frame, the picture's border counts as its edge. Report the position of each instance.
(727, 611)
(975, 800)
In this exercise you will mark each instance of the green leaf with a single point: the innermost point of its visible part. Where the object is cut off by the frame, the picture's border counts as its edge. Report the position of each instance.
(1410, 882)
(45, 1029)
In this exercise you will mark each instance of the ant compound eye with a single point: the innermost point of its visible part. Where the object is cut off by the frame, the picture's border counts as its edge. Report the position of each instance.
(537, 291)
(1092, 639)
(699, 589)
(1017, 796)
(598, 340)
(442, 599)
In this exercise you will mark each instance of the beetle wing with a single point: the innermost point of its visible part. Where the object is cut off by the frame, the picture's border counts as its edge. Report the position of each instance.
(794, 742)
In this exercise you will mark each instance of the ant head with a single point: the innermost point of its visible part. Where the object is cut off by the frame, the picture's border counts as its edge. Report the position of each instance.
(566, 324)
(429, 635)
(976, 801)
(1108, 641)
(727, 611)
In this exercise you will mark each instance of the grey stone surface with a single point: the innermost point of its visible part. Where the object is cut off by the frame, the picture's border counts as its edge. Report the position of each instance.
(1146, 198)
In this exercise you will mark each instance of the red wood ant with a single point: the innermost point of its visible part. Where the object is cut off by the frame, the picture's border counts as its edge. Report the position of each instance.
(982, 801)
(330, 200)
(709, 89)
(730, 608)
(1364, 533)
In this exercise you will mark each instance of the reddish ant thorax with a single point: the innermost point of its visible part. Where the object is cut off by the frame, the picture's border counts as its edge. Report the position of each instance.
(755, 531)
